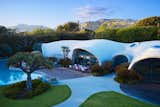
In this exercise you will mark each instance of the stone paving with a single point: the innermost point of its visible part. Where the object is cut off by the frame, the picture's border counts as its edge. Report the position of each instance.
(62, 73)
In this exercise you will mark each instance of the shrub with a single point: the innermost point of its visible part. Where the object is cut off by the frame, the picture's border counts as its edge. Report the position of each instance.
(35, 82)
(74, 35)
(65, 62)
(125, 76)
(37, 47)
(5, 50)
(121, 67)
(107, 67)
(97, 70)
(158, 33)
(18, 90)
(53, 59)
(106, 34)
(42, 87)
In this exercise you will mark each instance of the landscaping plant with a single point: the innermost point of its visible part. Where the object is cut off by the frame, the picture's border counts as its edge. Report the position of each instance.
(28, 63)
(125, 76)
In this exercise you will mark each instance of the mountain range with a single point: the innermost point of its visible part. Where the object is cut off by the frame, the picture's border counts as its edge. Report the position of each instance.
(27, 28)
(91, 25)
(110, 23)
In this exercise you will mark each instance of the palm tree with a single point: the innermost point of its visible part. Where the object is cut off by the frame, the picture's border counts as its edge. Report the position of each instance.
(28, 63)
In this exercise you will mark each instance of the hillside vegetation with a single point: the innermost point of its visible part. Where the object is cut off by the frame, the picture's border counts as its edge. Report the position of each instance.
(150, 21)
(144, 30)
(12, 42)
(117, 30)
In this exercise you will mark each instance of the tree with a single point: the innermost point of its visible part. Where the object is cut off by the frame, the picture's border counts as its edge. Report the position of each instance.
(65, 51)
(5, 50)
(68, 27)
(40, 31)
(28, 63)
(60, 28)
(3, 30)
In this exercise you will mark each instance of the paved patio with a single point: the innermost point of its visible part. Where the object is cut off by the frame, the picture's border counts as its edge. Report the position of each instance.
(61, 73)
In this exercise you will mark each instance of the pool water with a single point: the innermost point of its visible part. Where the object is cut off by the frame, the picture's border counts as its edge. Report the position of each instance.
(12, 76)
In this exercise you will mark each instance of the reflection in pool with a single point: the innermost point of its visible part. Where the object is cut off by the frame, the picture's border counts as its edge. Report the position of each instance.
(11, 76)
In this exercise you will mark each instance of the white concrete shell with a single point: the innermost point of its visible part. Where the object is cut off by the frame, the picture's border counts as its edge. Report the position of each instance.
(105, 50)
(145, 50)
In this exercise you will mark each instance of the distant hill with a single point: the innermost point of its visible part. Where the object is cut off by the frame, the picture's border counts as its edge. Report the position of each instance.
(90, 25)
(26, 28)
(110, 23)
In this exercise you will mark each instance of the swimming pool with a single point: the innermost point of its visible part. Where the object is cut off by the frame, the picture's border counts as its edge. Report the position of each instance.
(12, 76)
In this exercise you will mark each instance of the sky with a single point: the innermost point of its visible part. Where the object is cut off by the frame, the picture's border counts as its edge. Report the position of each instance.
(54, 12)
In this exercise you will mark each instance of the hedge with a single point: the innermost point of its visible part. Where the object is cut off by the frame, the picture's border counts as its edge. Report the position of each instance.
(106, 34)
(136, 34)
(130, 34)
(18, 90)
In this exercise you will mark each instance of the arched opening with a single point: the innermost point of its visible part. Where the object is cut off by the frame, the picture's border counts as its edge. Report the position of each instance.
(83, 57)
(149, 69)
(119, 59)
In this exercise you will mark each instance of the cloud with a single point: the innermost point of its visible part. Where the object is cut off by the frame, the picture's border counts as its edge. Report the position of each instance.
(92, 12)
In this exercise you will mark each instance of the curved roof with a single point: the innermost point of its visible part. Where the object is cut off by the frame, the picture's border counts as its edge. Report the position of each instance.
(146, 50)
(100, 48)
(53, 49)
(105, 49)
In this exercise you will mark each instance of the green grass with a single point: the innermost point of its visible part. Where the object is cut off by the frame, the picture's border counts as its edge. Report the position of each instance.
(53, 96)
(113, 99)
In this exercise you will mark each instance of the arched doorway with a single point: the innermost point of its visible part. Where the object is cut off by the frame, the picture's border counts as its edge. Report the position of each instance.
(119, 59)
(149, 69)
(83, 57)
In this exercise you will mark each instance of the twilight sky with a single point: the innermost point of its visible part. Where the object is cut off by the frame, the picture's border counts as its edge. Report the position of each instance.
(54, 12)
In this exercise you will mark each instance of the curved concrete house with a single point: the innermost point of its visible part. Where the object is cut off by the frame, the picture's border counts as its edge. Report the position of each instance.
(103, 50)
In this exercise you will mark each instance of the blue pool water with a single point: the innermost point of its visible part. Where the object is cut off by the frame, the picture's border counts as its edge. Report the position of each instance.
(11, 76)
(156, 46)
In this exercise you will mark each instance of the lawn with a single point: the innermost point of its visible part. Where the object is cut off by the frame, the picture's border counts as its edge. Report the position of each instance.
(53, 96)
(113, 99)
